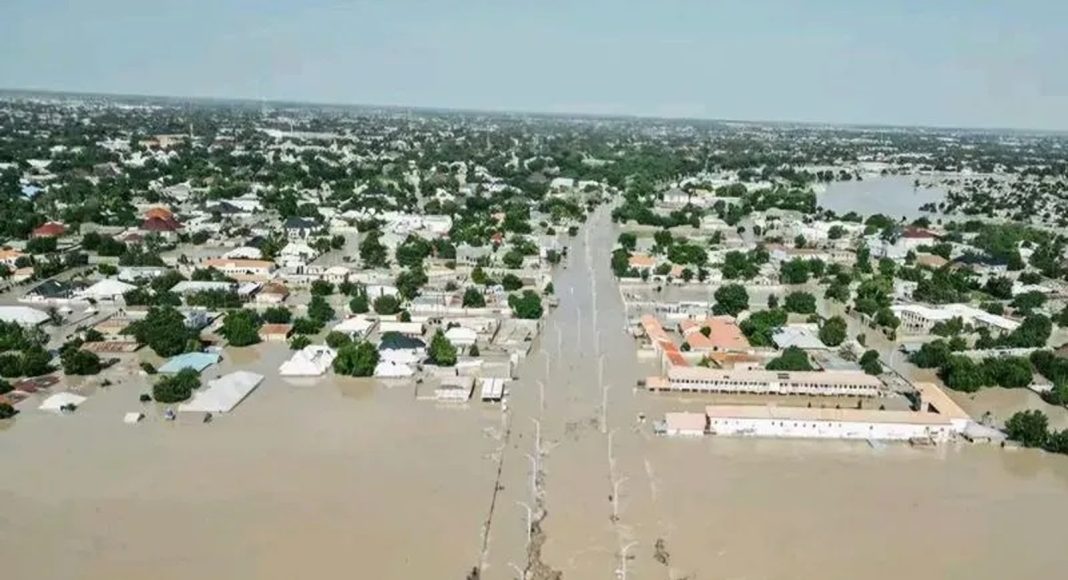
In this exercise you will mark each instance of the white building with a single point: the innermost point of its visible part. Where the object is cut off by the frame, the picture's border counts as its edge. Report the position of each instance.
(311, 361)
(938, 419)
(107, 290)
(23, 315)
(388, 369)
(358, 326)
(685, 424)
(919, 318)
(823, 383)
(461, 337)
(242, 269)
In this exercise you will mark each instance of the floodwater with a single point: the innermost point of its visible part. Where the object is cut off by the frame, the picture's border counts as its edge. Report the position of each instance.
(357, 478)
(895, 196)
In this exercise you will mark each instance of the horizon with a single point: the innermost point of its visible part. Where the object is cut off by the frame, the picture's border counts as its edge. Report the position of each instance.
(954, 64)
(26, 93)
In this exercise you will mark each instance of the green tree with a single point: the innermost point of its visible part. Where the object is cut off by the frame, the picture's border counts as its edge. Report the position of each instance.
(869, 361)
(372, 252)
(80, 362)
(442, 352)
(999, 287)
(277, 315)
(176, 388)
(731, 299)
(7, 411)
(241, 328)
(337, 339)
(473, 298)
(794, 272)
(512, 259)
(320, 310)
(791, 359)
(511, 282)
(410, 281)
(1027, 302)
(760, 326)
(359, 304)
(322, 288)
(800, 303)
(163, 330)
(387, 304)
(1030, 428)
(833, 331)
(306, 326)
(299, 342)
(357, 359)
(931, 354)
(526, 305)
(41, 245)
(960, 373)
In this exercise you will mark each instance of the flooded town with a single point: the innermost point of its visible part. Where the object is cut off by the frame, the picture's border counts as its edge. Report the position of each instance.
(269, 341)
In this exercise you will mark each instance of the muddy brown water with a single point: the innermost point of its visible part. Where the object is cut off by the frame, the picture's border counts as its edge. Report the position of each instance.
(357, 478)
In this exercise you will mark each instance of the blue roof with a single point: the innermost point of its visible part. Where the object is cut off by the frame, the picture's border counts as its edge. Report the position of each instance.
(197, 361)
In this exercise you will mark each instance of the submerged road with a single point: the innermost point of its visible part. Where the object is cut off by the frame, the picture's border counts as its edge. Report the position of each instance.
(572, 418)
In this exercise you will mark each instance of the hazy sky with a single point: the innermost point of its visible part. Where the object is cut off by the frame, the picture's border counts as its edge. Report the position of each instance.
(936, 62)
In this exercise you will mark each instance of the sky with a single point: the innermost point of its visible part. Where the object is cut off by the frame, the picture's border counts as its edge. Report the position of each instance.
(957, 63)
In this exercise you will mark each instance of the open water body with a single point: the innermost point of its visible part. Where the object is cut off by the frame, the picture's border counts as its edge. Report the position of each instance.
(354, 478)
(895, 196)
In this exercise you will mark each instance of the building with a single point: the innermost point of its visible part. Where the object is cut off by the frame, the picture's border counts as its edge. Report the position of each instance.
(685, 424)
(938, 419)
(455, 389)
(311, 361)
(358, 326)
(51, 291)
(195, 286)
(23, 316)
(393, 370)
(723, 335)
(492, 389)
(244, 270)
(107, 290)
(919, 319)
(824, 383)
(298, 228)
(461, 337)
(400, 349)
(165, 227)
(272, 293)
(413, 329)
(222, 394)
(275, 332)
(197, 361)
(10, 258)
(804, 337)
(641, 263)
(49, 230)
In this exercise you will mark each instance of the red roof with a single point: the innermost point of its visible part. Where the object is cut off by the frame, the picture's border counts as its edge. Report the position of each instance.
(50, 230)
(158, 224)
(918, 233)
(159, 212)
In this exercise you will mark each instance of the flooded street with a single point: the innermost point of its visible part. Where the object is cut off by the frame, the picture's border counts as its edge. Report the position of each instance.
(356, 478)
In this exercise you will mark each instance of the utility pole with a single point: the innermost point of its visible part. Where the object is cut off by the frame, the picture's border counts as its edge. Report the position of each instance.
(615, 496)
(623, 567)
(530, 520)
